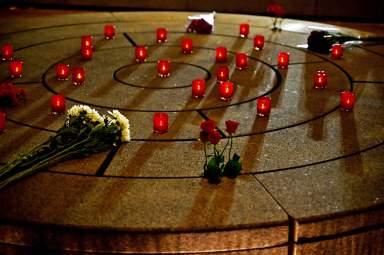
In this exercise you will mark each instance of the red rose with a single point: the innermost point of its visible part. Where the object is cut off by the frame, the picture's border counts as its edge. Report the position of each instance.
(231, 126)
(214, 137)
(208, 126)
(204, 136)
(276, 9)
(10, 92)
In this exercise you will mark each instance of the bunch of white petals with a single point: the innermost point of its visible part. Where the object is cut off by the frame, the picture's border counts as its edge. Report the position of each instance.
(123, 123)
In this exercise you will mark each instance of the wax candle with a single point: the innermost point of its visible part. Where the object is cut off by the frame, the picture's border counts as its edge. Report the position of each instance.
(78, 76)
(3, 117)
(86, 53)
(86, 41)
(198, 88)
(16, 68)
(109, 31)
(58, 104)
(337, 51)
(62, 71)
(221, 54)
(226, 90)
(283, 59)
(222, 73)
(347, 100)
(263, 106)
(187, 46)
(161, 35)
(241, 61)
(7, 51)
(244, 30)
(163, 68)
(160, 122)
(320, 79)
(258, 42)
(140, 54)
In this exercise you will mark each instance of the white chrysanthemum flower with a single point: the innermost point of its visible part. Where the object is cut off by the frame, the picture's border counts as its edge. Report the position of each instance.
(74, 111)
(124, 125)
(95, 116)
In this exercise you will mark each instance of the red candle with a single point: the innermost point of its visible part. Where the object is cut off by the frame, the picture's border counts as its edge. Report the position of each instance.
(160, 122)
(16, 68)
(62, 71)
(221, 54)
(78, 76)
(161, 35)
(263, 106)
(241, 61)
(6, 51)
(226, 90)
(320, 80)
(198, 88)
(283, 59)
(187, 46)
(109, 31)
(86, 41)
(3, 117)
(347, 100)
(163, 68)
(86, 53)
(337, 51)
(258, 42)
(58, 104)
(222, 73)
(141, 54)
(244, 30)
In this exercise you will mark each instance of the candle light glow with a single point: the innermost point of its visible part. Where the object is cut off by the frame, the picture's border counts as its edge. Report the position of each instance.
(226, 90)
(7, 52)
(78, 76)
(198, 88)
(160, 122)
(221, 54)
(222, 73)
(263, 106)
(347, 100)
(141, 54)
(161, 35)
(16, 68)
(241, 61)
(163, 68)
(258, 42)
(244, 30)
(62, 71)
(58, 104)
(109, 31)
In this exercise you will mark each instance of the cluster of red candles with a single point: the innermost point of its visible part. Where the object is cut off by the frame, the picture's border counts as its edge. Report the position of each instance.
(78, 73)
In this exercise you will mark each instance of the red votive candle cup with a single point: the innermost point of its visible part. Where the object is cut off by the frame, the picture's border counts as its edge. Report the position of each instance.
(347, 100)
(221, 54)
(86, 41)
(320, 80)
(58, 104)
(86, 53)
(337, 51)
(198, 88)
(244, 30)
(161, 35)
(160, 122)
(163, 68)
(62, 71)
(187, 45)
(263, 106)
(3, 117)
(283, 59)
(16, 68)
(78, 76)
(258, 42)
(140, 54)
(109, 31)
(226, 90)
(222, 73)
(7, 51)
(241, 61)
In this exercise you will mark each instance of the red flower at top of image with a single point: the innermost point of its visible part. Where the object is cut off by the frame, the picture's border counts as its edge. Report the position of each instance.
(231, 126)
(276, 9)
(214, 137)
(204, 136)
(208, 126)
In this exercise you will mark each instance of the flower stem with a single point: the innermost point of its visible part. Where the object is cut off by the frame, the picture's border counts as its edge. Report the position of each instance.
(205, 153)
(230, 148)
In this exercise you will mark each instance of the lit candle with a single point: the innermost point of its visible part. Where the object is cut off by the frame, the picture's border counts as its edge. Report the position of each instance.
(3, 117)
(163, 68)
(16, 68)
(263, 106)
(258, 42)
(7, 51)
(141, 54)
(161, 35)
(226, 90)
(283, 59)
(337, 51)
(86, 41)
(160, 122)
(86, 53)
(241, 61)
(62, 71)
(187, 46)
(58, 104)
(221, 54)
(347, 100)
(78, 76)
(320, 80)
(198, 88)
(244, 30)
(222, 73)
(109, 31)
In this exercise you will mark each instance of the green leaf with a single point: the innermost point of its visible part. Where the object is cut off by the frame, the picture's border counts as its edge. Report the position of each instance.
(212, 171)
(233, 167)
